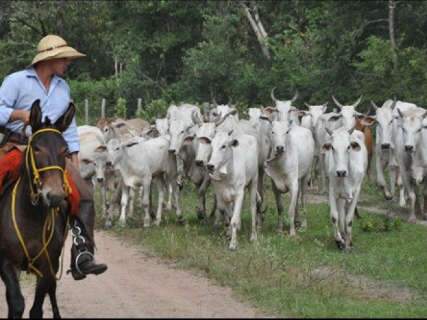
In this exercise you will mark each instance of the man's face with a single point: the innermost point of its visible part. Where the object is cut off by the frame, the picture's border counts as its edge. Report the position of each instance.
(59, 66)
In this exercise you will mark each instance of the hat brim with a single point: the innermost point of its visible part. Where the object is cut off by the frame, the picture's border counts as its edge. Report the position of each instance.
(63, 52)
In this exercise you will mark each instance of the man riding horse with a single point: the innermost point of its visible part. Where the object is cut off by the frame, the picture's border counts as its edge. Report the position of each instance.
(42, 81)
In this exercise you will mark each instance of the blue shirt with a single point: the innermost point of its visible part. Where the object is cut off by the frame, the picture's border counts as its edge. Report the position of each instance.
(20, 89)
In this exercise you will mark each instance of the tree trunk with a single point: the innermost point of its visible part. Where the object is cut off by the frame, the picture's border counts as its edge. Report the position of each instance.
(391, 7)
(258, 29)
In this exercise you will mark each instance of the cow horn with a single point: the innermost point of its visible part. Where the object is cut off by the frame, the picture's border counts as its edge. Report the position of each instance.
(272, 95)
(307, 105)
(195, 117)
(339, 105)
(374, 105)
(394, 103)
(400, 113)
(214, 102)
(357, 102)
(295, 96)
(220, 121)
(350, 131)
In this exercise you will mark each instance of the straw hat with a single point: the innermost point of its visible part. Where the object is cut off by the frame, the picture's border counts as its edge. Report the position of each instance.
(54, 47)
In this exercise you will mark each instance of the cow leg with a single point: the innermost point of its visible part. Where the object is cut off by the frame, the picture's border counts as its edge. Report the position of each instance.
(380, 176)
(424, 203)
(322, 175)
(292, 207)
(219, 212)
(124, 203)
(235, 220)
(402, 191)
(201, 192)
(260, 188)
(177, 199)
(131, 201)
(303, 184)
(254, 211)
(349, 219)
(104, 204)
(146, 184)
(161, 187)
(279, 205)
(14, 297)
(334, 215)
(170, 196)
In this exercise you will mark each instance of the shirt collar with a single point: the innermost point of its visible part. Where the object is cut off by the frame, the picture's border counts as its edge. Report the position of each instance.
(31, 73)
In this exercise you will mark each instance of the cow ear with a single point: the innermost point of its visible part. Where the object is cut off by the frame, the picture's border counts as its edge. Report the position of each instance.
(64, 121)
(189, 139)
(355, 146)
(36, 116)
(327, 147)
(368, 121)
(234, 143)
(101, 148)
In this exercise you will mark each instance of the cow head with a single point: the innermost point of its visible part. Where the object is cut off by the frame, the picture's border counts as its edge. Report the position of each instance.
(384, 121)
(313, 114)
(339, 147)
(348, 112)
(205, 135)
(411, 125)
(180, 133)
(279, 136)
(222, 152)
(101, 160)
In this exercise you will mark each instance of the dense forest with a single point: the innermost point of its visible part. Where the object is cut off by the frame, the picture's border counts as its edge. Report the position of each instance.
(196, 51)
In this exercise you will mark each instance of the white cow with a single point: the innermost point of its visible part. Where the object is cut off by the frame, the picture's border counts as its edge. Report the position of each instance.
(90, 139)
(289, 166)
(139, 161)
(406, 134)
(285, 110)
(232, 168)
(346, 163)
(348, 113)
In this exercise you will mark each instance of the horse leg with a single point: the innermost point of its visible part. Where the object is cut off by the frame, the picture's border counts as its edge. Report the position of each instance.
(15, 300)
(53, 301)
(42, 289)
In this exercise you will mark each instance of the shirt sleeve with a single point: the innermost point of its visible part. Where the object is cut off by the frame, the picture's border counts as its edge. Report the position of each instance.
(8, 98)
(71, 136)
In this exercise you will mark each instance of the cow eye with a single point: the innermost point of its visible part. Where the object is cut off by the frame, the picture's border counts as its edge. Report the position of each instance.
(223, 147)
(391, 121)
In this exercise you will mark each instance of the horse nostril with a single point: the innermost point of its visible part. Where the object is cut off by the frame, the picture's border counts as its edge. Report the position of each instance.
(210, 167)
(385, 146)
(341, 173)
(409, 148)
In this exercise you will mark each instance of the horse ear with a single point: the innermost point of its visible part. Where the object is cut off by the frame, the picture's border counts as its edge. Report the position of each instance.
(36, 116)
(64, 121)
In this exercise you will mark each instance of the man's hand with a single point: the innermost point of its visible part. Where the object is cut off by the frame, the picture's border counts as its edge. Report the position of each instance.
(22, 115)
(75, 160)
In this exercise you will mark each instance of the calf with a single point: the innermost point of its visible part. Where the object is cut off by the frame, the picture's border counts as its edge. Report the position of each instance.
(289, 167)
(139, 161)
(232, 168)
(346, 162)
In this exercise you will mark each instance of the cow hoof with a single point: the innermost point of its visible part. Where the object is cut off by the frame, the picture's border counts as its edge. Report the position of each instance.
(254, 237)
(232, 246)
(200, 214)
(340, 244)
(147, 223)
(388, 196)
(181, 220)
(108, 224)
(157, 223)
(412, 219)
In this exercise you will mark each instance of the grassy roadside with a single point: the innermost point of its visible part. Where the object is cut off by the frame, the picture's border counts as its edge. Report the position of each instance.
(384, 276)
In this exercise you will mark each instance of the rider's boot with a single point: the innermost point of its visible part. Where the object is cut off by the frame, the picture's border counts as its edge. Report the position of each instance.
(82, 250)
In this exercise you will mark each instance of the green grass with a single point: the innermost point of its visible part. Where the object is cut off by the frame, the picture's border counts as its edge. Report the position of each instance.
(384, 275)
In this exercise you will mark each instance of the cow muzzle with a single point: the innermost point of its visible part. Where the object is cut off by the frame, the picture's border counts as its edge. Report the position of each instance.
(210, 167)
(280, 149)
(341, 173)
(409, 148)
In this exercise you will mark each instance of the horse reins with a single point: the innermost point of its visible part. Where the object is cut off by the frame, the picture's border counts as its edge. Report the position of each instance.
(49, 224)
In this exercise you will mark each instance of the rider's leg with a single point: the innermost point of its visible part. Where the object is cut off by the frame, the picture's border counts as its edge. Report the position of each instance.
(82, 226)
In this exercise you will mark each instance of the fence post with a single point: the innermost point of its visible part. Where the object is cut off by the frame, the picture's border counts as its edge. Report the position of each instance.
(86, 111)
(139, 107)
(103, 108)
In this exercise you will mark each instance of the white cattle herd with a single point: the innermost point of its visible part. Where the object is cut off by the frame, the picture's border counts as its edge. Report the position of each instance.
(214, 147)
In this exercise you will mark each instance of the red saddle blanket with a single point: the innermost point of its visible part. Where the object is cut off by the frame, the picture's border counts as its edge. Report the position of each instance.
(10, 164)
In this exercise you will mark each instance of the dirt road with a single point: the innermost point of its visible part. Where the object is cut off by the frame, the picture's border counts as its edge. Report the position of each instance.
(136, 285)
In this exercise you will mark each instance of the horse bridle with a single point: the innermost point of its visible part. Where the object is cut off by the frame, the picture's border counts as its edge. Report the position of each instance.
(31, 168)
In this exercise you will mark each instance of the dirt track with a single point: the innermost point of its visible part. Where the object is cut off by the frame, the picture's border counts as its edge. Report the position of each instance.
(136, 285)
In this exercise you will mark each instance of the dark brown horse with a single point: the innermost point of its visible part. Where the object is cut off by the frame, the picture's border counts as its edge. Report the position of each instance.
(50, 151)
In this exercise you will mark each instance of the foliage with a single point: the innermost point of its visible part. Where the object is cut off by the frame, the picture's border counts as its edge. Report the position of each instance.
(120, 110)
(195, 51)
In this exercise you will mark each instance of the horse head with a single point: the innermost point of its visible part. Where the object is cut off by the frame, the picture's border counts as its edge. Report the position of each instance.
(46, 155)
